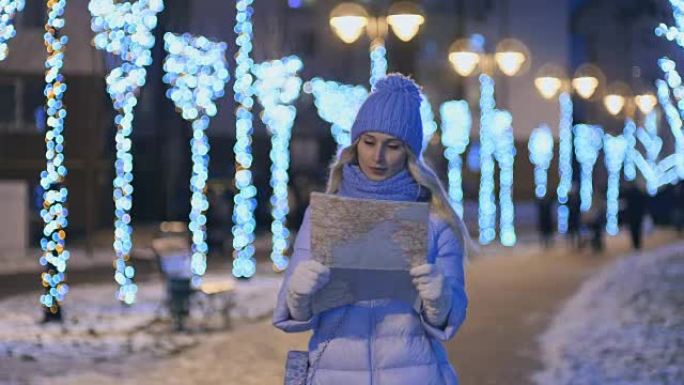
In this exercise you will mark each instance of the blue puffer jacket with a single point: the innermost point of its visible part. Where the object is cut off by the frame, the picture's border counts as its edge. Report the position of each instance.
(382, 342)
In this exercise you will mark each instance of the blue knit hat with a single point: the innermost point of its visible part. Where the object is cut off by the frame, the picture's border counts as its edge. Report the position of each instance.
(392, 108)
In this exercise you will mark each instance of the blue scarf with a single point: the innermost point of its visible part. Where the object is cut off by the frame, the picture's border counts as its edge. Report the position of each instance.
(398, 187)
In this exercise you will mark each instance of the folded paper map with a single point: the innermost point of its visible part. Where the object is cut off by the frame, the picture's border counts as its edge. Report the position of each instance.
(369, 245)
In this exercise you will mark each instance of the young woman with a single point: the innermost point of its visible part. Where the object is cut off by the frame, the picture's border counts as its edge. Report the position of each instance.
(383, 342)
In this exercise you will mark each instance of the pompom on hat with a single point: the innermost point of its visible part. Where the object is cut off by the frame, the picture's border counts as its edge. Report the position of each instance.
(392, 108)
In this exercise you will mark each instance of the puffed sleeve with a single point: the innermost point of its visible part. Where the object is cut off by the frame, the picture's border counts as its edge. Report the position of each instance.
(302, 252)
(449, 257)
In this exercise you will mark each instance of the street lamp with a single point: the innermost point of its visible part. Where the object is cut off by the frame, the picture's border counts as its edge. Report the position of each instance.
(348, 21)
(511, 57)
(551, 81)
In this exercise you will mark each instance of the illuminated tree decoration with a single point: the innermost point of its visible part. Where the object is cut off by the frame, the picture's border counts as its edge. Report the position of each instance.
(564, 160)
(378, 58)
(427, 117)
(504, 153)
(277, 87)
(615, 149)
(54, 212)
(456, 124)
(8, 9)
(196, 70)
(125, 30)
(648, 136)
(337, 104)
(540, 146)
(487, 201)
(629, 133)
(588, 143)
(244, 201)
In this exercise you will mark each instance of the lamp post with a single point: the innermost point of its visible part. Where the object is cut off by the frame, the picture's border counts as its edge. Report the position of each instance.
(348, 21)
(551, 82)
(468, 57)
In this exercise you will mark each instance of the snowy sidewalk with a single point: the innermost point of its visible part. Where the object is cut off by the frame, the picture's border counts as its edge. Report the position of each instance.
(624, 326)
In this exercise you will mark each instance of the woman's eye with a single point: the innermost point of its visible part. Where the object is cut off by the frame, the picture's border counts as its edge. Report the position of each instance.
(393, 146)
(369, 142)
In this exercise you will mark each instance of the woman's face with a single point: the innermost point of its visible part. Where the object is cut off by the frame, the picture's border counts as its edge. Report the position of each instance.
(380, 155)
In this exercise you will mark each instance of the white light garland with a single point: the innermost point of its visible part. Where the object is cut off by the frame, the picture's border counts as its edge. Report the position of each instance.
(564, 160)
(456, 124)
(125, 30)
(540, 146)
(487, 201)
(588, 143)
(277, 87)
(338, 104)
(196, 70)
(8, 10)
(54, 212)
(502, 131)
(245, 203)
(378, 58)
(615, 149)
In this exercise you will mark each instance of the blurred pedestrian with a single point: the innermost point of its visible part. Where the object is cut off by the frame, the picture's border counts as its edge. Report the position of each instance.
(545, 223)
(635, 200)
(574, 217)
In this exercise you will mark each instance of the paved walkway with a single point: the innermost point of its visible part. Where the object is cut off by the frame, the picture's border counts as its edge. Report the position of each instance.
(513, 295)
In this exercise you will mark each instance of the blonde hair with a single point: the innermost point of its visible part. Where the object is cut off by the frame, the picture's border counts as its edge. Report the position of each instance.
(423, 174)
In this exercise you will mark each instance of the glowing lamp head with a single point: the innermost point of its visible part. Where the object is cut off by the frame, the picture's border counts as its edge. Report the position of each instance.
(614, 103)
(510, 62)
(585, 86)
(464, 62)
(646, 103)
(548, 86)
(348, 20)
(405, 18)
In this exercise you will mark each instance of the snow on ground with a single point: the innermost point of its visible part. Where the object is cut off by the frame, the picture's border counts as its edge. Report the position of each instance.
(98, 329)
(625, 326)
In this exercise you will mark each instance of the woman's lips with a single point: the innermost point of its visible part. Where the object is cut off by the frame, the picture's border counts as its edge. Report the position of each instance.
(378, 170)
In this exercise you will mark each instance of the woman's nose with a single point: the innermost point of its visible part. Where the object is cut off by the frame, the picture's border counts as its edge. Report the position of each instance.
(378, 155)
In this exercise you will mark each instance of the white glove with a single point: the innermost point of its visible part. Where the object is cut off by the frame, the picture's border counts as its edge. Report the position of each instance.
(307, 279)
(434, 291)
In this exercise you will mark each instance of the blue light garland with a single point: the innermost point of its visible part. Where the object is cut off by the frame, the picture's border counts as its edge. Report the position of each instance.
(456, 124)
(337, 104)
(196, 70)
(615, 149)
(378, 59)
(427, 118)
(673, 114)
(487, 202)
(277, 87)
(54, 212)
(628, 132)
(648, 136)
(588, 143)
(564, 160)
(244, 223)
(8, 10)
(502, 131)
(125, 30)
(540, 146)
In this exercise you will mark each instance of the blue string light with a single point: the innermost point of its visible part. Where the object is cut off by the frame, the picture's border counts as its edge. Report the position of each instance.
(564, 160)
(648, 136)
(502, 132)
(337, 104)
(244, 223)
(629, 133)
(673, 114)
(378, 59)
(125, 30)
(487, 202)
(196, 70)
(54, 212)
(588, 143)
(456, 124)
(8, 10)
(427, 117)
(277, 87)
(540, 146)
(615, 149)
